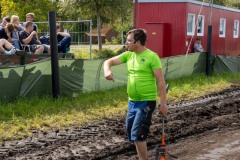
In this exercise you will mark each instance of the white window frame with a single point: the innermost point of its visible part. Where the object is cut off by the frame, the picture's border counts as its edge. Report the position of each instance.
(223, 26)
(236, 29)
(190, 33)
(202, 25)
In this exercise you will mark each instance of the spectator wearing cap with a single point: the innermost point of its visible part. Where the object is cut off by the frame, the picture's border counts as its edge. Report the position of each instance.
(198, 46)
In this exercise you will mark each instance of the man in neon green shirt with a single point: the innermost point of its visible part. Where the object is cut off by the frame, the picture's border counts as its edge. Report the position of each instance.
(145, 80)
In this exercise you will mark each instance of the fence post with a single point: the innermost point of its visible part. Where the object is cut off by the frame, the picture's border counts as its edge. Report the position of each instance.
(54, 54)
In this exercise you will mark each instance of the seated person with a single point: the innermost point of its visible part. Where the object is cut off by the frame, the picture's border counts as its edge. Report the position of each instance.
(30, 18)
(17, 26)
(63, 38)
(7, 32)
(5, 20)
(198, 46)
(30, 37)
(6, 47)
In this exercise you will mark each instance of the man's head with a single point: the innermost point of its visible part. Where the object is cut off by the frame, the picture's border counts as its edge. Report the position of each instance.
(30, 17)
(198, 40)
(58, 27)
(136, 37)
(9, 27)
(29, 26)
(15, 19)
(5, 21)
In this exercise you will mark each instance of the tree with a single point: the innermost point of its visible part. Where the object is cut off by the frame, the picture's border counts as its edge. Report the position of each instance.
(227, 3)
(101, 11)
(64, 13)
(122, 17)
(21, 7)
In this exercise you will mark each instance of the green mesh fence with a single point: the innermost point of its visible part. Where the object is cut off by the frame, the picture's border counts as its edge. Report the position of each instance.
(87, 75)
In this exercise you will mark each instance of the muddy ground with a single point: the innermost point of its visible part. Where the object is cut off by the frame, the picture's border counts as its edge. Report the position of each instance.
(206, 128)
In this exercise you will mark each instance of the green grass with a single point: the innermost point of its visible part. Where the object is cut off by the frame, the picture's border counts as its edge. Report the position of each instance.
(18, 118)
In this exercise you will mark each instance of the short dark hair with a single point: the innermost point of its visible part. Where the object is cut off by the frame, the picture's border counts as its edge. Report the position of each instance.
(6, 19)
(198, 38)
(139, 34)
(29, 24)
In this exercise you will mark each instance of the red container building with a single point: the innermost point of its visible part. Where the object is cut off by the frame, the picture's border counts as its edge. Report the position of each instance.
(173, 26)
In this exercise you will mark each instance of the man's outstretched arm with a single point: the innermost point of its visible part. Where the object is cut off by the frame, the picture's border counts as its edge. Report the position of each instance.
(107, 67)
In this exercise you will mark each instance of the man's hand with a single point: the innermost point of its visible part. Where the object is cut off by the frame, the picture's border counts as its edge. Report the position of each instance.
(34, 33)
(163, 110)
(9, 34)
(108, 75)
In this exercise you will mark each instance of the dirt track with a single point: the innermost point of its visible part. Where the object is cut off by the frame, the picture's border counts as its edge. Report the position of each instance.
(206, 128)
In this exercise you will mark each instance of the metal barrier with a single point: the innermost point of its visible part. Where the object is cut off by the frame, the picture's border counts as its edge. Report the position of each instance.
(77, 29)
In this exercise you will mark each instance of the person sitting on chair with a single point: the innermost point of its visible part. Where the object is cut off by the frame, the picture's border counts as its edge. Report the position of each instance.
(7, 32)
(6, 47)
(5, 20)
(29, 37)
(30, 18)
(63, 38)
(17, 26)
(198, 46)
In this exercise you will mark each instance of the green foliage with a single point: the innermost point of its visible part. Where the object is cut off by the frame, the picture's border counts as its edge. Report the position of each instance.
(107, 42)
(22, 7)
(227, 3)
(84, 54)
(115, 41)
(115, 12)
(65, 13)
(120, 51)
(104, 53)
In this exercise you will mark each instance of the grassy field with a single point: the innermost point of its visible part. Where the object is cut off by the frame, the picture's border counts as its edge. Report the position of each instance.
(20, 117)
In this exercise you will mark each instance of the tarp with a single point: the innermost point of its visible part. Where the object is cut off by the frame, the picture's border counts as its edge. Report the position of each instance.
(179, 66)
(79, 75)
(226, 64)
(10, 82)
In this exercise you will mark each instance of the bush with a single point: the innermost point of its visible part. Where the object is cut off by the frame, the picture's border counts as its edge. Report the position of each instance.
(83, 54)
(114, 41)
(104, 53)
(107, 42)
(120, 51)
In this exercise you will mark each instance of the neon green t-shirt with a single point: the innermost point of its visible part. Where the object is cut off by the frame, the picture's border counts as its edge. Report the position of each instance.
(141, 80)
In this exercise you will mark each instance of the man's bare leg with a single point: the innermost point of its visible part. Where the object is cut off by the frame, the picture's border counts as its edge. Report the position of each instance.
(1, 49)
(6, 44)
(39, 50)
(141, 150)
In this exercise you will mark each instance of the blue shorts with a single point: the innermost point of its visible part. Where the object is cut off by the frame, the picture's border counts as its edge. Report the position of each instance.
(135, 116)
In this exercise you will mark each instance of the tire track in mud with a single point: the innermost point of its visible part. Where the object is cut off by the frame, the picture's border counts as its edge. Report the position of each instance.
(107, 140)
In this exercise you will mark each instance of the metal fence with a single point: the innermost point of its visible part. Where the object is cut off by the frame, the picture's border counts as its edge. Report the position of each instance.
(77, 29)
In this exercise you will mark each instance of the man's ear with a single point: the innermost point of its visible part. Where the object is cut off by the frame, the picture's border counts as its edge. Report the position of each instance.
(136, 41)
